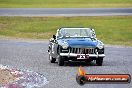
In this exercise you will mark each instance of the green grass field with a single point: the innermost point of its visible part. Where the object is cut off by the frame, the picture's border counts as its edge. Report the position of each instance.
(64, 3)
(111, 30)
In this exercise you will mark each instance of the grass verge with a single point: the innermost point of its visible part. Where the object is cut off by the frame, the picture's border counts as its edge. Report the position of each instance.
(64, 3)
(111, 30)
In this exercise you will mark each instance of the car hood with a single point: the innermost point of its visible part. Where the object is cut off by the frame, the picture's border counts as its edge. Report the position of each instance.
(79, 43)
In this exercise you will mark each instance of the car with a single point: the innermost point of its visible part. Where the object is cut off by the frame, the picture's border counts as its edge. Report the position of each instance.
(75, 44)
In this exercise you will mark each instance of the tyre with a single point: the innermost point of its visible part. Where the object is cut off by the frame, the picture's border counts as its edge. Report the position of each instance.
(60, 61)
(99, 61)
(52, 60)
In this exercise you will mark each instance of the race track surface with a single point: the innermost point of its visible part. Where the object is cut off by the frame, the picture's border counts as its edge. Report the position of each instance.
(32, 55)
(65, 11)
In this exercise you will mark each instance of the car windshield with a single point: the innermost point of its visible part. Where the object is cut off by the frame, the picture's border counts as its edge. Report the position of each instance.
(75, 32)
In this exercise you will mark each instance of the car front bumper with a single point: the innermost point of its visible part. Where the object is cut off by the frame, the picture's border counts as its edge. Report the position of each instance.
(75, 55)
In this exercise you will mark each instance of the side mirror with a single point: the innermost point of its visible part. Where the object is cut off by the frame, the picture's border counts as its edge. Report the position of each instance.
(54, 36)
(93, 33)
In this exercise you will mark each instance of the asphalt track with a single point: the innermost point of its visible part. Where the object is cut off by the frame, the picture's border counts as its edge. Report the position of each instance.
(65, 11)
(32, 55)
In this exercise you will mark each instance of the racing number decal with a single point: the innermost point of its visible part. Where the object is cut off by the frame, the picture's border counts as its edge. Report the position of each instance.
(81, 56)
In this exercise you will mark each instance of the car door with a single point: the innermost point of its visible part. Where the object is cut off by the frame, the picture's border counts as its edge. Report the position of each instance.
(53, 46)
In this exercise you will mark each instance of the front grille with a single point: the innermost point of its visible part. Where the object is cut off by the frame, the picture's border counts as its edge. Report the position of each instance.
(82, 50)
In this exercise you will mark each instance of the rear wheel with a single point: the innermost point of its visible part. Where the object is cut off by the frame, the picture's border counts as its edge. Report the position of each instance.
(99, 61)
(52, 60)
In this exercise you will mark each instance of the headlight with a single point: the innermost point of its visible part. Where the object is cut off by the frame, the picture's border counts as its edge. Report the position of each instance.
(64, 46)
(100, 45)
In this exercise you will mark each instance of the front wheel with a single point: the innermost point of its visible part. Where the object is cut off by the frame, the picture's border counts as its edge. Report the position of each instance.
(99, 61)
(60, 61)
